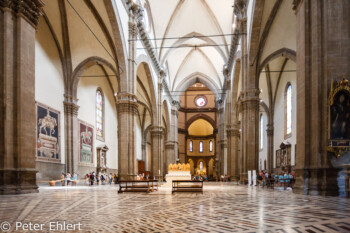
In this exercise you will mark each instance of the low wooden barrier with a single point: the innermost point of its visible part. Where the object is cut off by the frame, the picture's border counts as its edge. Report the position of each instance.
(137, 186)
(187, 186)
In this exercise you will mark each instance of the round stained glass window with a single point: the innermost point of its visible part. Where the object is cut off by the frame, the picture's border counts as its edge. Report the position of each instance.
(200, 101)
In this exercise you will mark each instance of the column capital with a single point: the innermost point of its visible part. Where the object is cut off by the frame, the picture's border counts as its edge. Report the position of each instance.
(127, 102)
(240, 9)
(170, 145)
(157, 131)
(176, 104)
(269, 129)
(235, 132)
(175, 112)
(127, 106)
(70, 105)
(31, 10)
(296, 5)
(126, 96)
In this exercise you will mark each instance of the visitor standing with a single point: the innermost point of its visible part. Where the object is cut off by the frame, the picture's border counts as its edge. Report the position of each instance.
(110, 178)
(92, 178)
(68, 177)
(63, 179)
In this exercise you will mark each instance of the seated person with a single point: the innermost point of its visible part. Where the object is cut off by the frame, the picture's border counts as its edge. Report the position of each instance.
(281, 179)
(286, 178)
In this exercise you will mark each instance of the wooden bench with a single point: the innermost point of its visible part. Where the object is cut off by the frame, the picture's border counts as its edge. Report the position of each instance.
(137, 186)
(187, 186)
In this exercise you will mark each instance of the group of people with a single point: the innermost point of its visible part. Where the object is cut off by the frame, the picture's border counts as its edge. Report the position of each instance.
(92, 178)
(68, 179)
(142, 176)
(265, 178)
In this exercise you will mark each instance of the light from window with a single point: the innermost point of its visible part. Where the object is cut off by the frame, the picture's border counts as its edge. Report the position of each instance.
(289, 109)
(191, 146)
(210, 146)
(261, 132)
(201, 146)
(145, 18)
(99, 113)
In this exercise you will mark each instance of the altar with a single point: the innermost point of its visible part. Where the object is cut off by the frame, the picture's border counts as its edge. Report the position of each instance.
(177, 172)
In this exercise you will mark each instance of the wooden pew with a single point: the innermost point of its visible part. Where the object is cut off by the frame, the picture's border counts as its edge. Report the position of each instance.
(187, 186)
(138, 186)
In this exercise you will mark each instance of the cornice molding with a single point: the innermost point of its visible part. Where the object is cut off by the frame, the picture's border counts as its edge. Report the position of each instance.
(145, 39)
(31, 10)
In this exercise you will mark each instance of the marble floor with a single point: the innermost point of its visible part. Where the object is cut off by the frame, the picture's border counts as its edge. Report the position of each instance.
(223, 207)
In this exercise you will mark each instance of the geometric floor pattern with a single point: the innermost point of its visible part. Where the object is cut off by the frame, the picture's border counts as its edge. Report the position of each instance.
(223, 207)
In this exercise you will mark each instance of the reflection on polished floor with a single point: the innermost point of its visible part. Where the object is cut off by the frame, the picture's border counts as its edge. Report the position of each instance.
(223, 207)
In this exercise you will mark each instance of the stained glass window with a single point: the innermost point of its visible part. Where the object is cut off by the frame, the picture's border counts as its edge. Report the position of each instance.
(99, 113)
(200, 146)
(261, 132)
(289, 109)
(200, 101)
(210, 146)
(191, 146)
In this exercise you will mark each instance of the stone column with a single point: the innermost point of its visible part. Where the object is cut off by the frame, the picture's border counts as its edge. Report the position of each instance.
(127, 112)
(270, 151)
(169, 154)
(323, 45)
(71, 132)
(18, 22)
(127, 106)
(221, 139)
(234, 135)
(171, 145)
(250, 129)
(249, 100)
(242, 20)
(157, 144)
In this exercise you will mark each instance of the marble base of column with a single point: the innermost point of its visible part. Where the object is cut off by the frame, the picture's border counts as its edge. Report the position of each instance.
(234, 178)
(317, 181)
(243, 179)
(18, 181)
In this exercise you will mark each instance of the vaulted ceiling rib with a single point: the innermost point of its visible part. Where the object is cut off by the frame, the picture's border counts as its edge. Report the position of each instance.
(176, 21)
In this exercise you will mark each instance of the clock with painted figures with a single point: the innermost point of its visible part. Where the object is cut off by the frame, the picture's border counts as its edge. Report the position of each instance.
(200, 101)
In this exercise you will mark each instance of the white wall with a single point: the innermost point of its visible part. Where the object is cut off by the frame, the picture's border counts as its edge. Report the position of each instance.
(263, 151)
(138, 141)
(279, 111)
(49, 83)
(86, 94)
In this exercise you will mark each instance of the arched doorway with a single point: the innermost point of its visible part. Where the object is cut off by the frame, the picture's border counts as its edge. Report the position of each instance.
(198, 129)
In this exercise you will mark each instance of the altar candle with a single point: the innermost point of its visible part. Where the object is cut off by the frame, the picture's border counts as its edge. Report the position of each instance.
(159, 172)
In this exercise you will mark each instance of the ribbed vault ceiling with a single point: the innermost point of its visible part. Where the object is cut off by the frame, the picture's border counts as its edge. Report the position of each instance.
(185, 21)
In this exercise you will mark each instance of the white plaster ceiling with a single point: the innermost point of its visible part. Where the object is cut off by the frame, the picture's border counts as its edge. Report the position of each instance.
(191, 18)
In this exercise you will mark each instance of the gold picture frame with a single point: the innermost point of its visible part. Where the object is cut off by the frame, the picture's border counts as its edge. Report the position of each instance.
(339, 117)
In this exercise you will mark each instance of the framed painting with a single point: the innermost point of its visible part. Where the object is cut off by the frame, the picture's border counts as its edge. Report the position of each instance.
(47, 134)
(339, 117)
(289, 155)
(86, 143)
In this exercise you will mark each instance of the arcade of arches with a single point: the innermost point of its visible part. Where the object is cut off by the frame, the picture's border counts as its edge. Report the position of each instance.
(127, 87)
(130, 86)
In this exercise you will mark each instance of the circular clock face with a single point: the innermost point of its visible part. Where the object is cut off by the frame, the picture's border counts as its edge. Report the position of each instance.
(200, 101)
